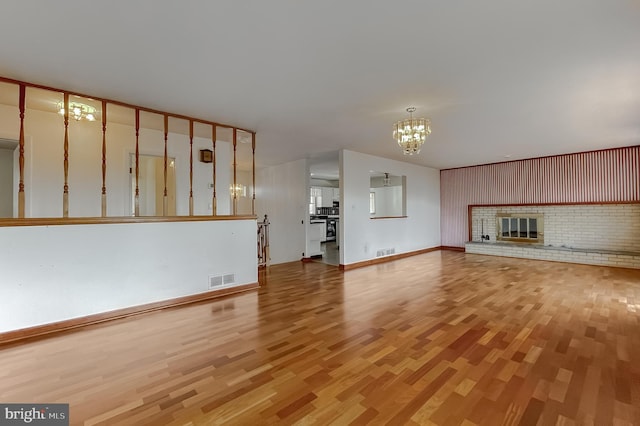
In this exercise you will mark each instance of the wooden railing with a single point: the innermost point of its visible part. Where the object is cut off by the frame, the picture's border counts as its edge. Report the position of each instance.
(263, 242)
(69, 156)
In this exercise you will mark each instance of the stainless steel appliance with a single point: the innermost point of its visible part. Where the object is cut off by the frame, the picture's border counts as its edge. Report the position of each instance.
(331, 230)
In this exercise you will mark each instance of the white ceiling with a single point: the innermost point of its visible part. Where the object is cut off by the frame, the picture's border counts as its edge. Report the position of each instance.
(497, 77)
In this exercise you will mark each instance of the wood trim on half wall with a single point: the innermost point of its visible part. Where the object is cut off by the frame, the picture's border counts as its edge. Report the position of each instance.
(49, 221)
(60, 326)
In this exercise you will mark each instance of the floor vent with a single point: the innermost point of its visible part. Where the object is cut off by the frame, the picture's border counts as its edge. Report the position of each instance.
(229, 279)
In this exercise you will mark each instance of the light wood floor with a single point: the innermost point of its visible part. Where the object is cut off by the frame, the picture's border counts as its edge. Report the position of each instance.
(442, 338)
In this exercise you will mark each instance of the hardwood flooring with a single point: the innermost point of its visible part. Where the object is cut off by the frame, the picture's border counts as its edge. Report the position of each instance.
(442, 338)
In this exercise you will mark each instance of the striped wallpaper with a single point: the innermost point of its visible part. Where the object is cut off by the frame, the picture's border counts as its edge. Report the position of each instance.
(611, 175)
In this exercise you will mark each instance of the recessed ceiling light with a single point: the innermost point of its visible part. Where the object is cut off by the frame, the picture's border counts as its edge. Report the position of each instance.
(507, 156)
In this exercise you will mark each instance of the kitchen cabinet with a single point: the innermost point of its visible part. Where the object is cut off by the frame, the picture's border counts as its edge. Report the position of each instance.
(316, 236)
(327, 197)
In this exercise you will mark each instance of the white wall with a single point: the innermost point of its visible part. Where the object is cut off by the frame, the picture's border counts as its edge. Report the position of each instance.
(54, 273)
(361, 236)
(324, 183)
(282, 192)
(44, 152)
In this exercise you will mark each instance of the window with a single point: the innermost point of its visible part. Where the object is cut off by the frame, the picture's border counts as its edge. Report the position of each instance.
(315, 201)
(526, 228)
(372, 202)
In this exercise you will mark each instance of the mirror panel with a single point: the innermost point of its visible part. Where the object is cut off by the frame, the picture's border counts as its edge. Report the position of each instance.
(387, 195)
(151, 185)
(243, 189)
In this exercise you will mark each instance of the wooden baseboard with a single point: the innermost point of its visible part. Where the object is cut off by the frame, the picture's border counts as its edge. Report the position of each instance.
(384, 259)
(452, 248)
(59, 326)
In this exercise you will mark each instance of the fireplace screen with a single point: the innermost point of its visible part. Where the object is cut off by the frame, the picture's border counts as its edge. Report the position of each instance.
(520, 228)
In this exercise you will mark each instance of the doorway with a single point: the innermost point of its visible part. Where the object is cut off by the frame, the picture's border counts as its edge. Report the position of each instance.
(151, 185)
(8, 189)
(324, 204)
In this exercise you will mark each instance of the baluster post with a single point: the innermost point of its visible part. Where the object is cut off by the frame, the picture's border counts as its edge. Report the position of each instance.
(214, 202)
(235, 182)
(165, 197)
(21, 106)
(253, 166)
(65, 193)
(104, 160)
(190, 167)
(136, 209)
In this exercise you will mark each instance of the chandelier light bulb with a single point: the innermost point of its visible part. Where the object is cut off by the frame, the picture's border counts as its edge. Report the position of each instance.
(238, 190)
(78, 111)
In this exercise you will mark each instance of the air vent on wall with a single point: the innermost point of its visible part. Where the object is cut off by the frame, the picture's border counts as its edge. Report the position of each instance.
(221, 280)
(215, 281)
(385, 252)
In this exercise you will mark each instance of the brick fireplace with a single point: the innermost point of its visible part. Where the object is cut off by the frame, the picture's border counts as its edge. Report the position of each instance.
(600, 234)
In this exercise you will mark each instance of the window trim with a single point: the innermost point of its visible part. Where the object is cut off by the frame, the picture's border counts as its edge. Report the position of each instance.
(372, 202)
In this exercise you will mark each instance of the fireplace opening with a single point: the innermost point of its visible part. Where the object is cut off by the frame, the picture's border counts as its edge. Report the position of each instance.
(521, 228)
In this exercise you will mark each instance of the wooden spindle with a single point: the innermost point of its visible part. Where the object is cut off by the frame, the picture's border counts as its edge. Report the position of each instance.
(136, 209)
(253, 167)
(235, 192)
(165, 199)
(190, 167)
(104, 159)
(21, 105)
(214, 202)
(65, 193)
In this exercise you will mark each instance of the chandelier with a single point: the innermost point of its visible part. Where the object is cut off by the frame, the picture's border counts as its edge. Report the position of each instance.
(78, 111)
(411, 133)
(238, 190)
